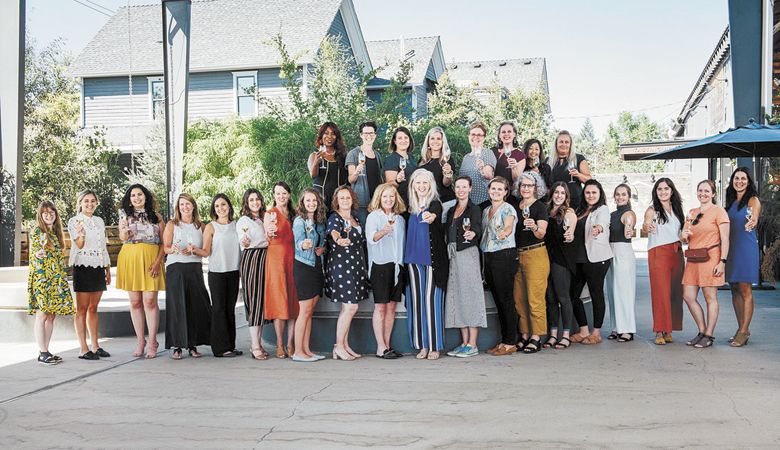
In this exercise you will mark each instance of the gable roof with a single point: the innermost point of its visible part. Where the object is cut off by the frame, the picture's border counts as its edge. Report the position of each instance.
(226, 35)
(389, 53)
(527, 73)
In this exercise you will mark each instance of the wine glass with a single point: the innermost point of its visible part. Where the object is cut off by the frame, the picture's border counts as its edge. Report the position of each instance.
(466, 227)
(526, 214)
(402, 164)
(391, 219)
(748, 216)
(629, 229)
(362, 162)
(347, 227)
(657, 220)
(323, 151)
(272, 219)
(565, 225)
(309, 226)
(536, 161)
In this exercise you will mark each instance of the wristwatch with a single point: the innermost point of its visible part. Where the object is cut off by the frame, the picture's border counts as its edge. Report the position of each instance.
(723, 261)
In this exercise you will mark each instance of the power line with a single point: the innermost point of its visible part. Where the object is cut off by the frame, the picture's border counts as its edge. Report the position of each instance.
(621, 112)
(92, 8)
(100, 6)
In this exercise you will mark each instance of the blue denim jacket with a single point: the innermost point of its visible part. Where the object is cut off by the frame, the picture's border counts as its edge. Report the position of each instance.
(317, 236)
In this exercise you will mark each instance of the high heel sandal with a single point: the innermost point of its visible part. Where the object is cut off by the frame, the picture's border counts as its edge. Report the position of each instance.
(139, 352)
(343, 356)
(258, 354)
(290, 350)
(280, 352)
(152, 353)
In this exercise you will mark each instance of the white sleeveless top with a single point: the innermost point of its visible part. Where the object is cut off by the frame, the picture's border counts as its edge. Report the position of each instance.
(665, 233)
(183, 234)
(225, 250)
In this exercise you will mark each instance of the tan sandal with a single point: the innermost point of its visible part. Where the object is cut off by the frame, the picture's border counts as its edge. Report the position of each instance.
(423, 354)
(433, 355)
(258, 354)
(740, 339)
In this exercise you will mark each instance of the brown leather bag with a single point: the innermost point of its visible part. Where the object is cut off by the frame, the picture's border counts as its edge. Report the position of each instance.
(698, 255)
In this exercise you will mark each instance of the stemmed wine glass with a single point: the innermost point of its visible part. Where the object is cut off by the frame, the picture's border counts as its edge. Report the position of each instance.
(308, 227)
(466, 228)
(391, 219)
(362, 162)
(566, 225)
(347, 227)
(526, 214)
(629, 229)
(402, 164)
(323, 150)
(272, 219)
(657, 219)
(748, 216)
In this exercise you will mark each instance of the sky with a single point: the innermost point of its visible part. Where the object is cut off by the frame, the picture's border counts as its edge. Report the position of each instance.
(603, 56)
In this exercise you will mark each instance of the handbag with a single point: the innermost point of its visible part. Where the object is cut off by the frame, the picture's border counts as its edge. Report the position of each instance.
(698, 255)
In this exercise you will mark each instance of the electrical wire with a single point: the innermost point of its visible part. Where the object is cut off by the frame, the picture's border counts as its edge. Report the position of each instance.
(93, 8)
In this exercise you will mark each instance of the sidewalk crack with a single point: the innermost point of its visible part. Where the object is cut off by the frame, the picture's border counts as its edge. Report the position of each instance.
(293, 412)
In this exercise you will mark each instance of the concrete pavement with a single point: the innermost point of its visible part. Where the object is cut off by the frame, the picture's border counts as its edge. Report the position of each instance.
(611, 395)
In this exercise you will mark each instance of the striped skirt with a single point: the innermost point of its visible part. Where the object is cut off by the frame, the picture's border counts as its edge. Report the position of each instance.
(252, 269)
(424, 302)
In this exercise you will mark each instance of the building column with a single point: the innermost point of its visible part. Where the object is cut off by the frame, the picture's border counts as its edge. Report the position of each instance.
(12, 16)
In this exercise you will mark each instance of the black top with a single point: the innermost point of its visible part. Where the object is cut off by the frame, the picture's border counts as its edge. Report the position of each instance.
(392, 162)
(616, 227)
(561, 173)
(445, 192)
(475, 216)
(580, 253)
(523, 237)
(560, 252)
(330, 178)
(373, 175)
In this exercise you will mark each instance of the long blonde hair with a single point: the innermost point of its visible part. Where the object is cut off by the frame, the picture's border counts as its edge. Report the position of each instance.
(426, 149)
(414, 202)
(56, 226)
(376, 202)
(195, 216)
(552, 158)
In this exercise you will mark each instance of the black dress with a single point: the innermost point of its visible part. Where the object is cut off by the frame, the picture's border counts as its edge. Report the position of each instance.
(561, 173)
(333, 175)
(445, 192)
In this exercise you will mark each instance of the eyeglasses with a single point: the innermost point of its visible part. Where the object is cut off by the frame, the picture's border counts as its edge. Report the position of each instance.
(370, 133)
(527, 186)
(476, 135)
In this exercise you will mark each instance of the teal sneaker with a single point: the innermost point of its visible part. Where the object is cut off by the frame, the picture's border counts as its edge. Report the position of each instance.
(456, 350)
(468, 351)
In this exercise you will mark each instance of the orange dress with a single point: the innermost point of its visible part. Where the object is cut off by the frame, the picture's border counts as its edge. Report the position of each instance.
(705, 234)
(281, 300)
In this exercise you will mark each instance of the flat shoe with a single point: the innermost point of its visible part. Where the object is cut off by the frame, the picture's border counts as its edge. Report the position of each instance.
(659, 340)
(612, 336)
(433, 355)
(227, 354)
(625, 337)
(90, 356)
(695, 340)
(577, 338)
(668, 338)
(423, 354)
(592, 340)
(396, 352)
(297, 358)
(387, 354)
(102, 353)
(505, 350)
(237, 352)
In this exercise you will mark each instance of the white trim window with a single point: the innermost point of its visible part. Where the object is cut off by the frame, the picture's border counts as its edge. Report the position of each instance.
(244, 90)
(156, 97)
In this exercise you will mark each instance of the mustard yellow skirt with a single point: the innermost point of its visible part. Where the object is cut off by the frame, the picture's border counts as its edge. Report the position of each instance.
(132, 268)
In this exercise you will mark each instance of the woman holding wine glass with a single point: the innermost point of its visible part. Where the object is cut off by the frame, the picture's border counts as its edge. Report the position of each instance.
(663, 221)
(479, 165)
(569, 167)
(426, 258)
(326, 165)
(593, 257)
(510, 160)
(400, 165)
(385, 232)
(744, 209)
(535, 161)
(465, 305)
(436, 158)
(281, 303)
(309, 235)
(563, 265)
(346, 273)
(533, 269)
(365, 167)
(498, 247)
(620, 286)
(706, 230)
(254, 245)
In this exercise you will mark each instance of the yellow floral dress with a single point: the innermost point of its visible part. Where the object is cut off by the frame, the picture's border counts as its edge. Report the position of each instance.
(47, 282)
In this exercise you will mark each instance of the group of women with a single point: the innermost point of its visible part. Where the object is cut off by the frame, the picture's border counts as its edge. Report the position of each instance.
(536, 229)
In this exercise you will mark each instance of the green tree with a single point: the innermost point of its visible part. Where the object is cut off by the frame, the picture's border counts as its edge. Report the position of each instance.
(629, 128)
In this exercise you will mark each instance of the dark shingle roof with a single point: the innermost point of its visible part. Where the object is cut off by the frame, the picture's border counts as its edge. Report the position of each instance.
(390, 52)
(527, 73)
(226, 34)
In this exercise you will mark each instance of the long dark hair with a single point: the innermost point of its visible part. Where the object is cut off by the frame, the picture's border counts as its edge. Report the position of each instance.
(585, 208)
(565, 206)
(150, 204)
(392, 147)
(213, 210)
(675, 200)
(290, 202)
(527, 144)
(245, 211)
(339, 145)
(750, 191)
(319, 214)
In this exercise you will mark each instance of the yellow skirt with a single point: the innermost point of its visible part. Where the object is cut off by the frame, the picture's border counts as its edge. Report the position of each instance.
(132, 268)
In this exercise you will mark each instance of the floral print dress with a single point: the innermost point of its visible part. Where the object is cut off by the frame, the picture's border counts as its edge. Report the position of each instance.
(47, 283)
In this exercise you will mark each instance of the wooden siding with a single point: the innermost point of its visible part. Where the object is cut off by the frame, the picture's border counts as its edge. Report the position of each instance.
(107, 101)
(211, 96)
(338, 29)
(422, 101)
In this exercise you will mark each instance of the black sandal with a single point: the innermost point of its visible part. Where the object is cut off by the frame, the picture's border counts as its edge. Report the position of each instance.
(176, 353)
(48, 358)
(705, 341)
(536, 346)
(612, 336)
(560, 345)
(521, 343)
(695, 340)
(90, 356)
(194, 353)
(622, 337)
(550, 342)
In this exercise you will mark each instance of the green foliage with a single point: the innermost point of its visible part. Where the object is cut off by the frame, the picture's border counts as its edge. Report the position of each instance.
(59, 159)
(150, 166)
(628, 129)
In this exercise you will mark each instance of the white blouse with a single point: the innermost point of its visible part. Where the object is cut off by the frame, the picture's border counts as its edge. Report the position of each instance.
(254, 229)
(185, 234)
(391, 247)
(94, 253)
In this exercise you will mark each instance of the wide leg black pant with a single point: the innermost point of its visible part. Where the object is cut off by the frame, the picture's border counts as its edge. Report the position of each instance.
(224, 293)
(500, 269)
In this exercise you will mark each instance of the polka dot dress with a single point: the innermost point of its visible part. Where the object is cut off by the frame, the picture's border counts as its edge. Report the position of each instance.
(346, 266)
